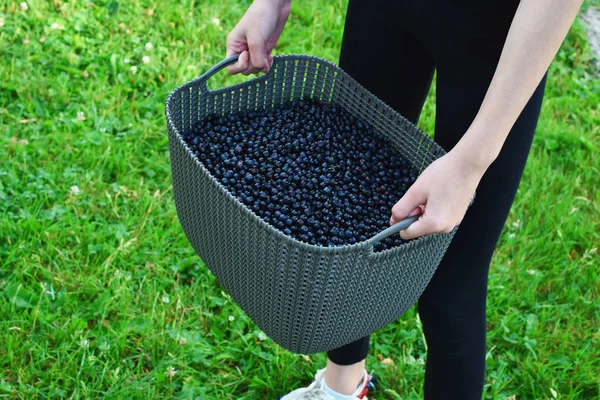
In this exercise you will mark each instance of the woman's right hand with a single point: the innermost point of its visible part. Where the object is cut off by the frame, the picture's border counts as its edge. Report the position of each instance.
(255, 36)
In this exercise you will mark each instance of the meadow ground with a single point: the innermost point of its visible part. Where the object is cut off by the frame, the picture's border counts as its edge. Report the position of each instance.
(100, 292)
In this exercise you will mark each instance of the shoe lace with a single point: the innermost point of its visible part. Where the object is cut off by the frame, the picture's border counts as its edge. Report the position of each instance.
(308, 394)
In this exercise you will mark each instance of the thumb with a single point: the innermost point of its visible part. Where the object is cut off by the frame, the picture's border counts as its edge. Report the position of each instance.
(408, 205)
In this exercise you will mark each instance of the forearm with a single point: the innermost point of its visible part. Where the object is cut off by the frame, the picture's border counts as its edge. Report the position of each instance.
(278, 3)
(535, 35)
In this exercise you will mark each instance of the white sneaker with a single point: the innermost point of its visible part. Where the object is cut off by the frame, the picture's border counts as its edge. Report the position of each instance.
(315, 390)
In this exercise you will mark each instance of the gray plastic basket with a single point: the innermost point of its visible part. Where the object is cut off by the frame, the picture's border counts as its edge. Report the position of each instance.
(307, 298)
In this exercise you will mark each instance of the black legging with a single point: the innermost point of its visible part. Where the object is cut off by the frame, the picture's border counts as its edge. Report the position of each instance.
(392, 48)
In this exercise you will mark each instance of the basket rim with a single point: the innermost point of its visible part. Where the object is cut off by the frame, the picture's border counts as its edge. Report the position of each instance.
(364, 246)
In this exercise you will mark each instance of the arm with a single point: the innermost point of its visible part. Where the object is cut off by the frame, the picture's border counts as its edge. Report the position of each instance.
(445, 188)
(536, 33)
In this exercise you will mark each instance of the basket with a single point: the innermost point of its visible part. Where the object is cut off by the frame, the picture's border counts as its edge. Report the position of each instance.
(306, 298)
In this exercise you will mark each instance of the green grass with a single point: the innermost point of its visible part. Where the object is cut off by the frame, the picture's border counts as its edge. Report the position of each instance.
(100, 292)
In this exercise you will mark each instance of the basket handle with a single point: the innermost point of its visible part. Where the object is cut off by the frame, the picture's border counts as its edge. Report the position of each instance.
(397, 227)
(219, 66)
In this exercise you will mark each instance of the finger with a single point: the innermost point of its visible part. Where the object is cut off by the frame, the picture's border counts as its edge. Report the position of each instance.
(434, 219)
(258, 53)
(240, 65)
(416, 211)
(250, 70)
(406, 206)
(269, 61)
(229, 47)
(236, 44)
(425, 225)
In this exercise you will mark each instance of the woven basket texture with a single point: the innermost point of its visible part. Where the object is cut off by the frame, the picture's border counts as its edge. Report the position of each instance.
(306, 298)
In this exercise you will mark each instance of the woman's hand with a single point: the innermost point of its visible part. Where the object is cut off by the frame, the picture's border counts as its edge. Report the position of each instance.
(255, 36)
(441, 193)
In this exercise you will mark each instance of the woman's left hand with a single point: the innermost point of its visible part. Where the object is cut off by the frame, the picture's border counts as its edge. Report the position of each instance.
(441, 193)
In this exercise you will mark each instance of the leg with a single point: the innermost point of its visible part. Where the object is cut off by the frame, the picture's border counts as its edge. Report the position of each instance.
(453, 307)
(388, 61)
(373, 53)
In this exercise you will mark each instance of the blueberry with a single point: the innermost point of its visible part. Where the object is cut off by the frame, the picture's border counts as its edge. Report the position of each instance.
(309, 169)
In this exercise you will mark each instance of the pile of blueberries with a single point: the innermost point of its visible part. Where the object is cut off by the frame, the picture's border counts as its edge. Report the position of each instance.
(307, 168)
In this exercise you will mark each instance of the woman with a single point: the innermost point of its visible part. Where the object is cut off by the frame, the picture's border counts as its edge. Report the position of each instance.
(491, 59)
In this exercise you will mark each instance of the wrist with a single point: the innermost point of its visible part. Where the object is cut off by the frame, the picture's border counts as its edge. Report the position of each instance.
(475, 159)
(276, 3)
(480, 145)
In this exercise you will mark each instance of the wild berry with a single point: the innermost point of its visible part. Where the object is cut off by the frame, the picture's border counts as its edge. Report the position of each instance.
(309, 169)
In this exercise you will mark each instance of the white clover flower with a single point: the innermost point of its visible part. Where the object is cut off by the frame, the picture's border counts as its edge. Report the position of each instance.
(81, 116)
(166, 299)
(182, 341)
(531, 271)
(24, 6)
(388, 361)
(216, 21)
(148, 46)
(262, 336)
(231, 318)
(171, 372)
(146, 59)
(408, 360)
(74, 190)
(133, 69)
(1, 22)
(57, 26)
(126, 60)
(23, 142)
(84, 344)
